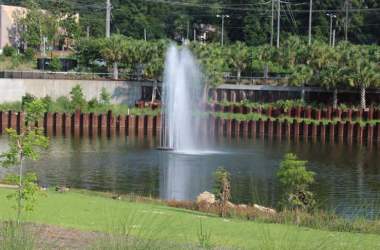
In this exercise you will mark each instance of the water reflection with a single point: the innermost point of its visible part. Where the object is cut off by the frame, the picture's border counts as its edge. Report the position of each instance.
(348, 177)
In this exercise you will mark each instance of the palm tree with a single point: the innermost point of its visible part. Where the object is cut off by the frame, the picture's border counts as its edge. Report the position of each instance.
(331, 73)
(113, 52)
(363, 74)
(238, 57)
(301, 75)
(331, 78)
(212, 60)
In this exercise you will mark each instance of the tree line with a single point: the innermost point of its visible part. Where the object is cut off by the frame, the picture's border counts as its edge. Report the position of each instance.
(344, 66)
(249, 21)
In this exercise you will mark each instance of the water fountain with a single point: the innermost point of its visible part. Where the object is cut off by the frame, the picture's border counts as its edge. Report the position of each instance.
(182, 131)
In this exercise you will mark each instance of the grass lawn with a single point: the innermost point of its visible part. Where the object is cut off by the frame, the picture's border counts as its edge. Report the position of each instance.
(91, 212)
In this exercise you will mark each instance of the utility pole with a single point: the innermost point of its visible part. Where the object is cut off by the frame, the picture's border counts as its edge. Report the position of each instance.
(222, 16)
(188, 30)
(271, 25)
(145, 38)
(195, 35)
(108, 18)
(310, 20)
(44, 41)
(333, 39)
(278, 23)
(88, 31)
(331, 26)
(346, 21)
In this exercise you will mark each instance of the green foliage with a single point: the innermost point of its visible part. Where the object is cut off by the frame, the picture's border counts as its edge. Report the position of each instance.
(78, 100)
(27, 98)
(204, 237)
(25, 146)
(29, 54)
(49, 103)
(238, 55)
(29, 192)
(301, 75)
(39, 23)
(295, 180)
(34, 111)
(105, 97)
(9, 51)
(55, 64)
(222, 187)
(63, 104)
(93, 104)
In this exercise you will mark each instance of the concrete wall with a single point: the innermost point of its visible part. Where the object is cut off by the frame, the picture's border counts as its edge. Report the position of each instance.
(126, 92)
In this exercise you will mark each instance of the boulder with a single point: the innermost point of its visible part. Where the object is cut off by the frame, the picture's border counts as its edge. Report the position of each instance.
(242, 206)
(206, 198)
(230, 205)
(266, 210)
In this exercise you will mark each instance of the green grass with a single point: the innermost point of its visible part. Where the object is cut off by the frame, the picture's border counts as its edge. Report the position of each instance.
(17, 63)
(88, 211)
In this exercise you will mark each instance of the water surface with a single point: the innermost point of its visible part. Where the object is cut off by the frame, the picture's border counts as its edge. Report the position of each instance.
(348, 177)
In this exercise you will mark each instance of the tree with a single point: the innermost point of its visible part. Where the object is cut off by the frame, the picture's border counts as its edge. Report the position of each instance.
(23, 146)
(113, 52)
(363, 74)
(300, 76)
(295, 180)
(211, 58)
(222, 186)
(238, 55)
(331, 74)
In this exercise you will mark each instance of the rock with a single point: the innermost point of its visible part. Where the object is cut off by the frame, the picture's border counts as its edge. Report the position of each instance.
(230, 205)
(116, 197)
(266, 210)
(206, 198)
(62, 189)
(242, 206)
(8, 186)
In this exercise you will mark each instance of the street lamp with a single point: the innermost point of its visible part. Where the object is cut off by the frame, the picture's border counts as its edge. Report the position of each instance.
(223, 16)
(331, 26)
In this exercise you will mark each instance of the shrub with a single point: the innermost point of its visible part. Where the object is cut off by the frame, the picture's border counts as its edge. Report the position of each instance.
(222, 186)
(93, 104)
(55, 64)
(29, 54)
(27, 98)
(64, 104)
(295, 180)
(16, 61)
(77, 98)
(105, 97)
(9, 51)
(48, 103)
(204, 237)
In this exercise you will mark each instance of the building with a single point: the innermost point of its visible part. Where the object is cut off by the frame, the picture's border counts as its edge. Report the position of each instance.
(8, 25)
(9, 32)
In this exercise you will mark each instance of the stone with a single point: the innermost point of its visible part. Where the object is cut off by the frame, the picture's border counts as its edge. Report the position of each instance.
(230, 205)
(206, 198)
(266, 210)
(242, 206)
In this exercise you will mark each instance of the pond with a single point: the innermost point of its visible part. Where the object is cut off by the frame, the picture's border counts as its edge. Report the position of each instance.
(347, 180)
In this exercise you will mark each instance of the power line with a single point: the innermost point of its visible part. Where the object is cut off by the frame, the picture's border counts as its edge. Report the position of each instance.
(256, 9)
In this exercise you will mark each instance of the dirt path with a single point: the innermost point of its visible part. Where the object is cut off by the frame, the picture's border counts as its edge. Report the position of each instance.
(54, 237)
